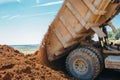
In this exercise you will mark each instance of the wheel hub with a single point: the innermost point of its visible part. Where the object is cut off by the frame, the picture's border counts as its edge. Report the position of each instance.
(80, 66)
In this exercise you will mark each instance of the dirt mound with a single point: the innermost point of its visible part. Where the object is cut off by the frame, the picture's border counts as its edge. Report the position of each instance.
(15, 66)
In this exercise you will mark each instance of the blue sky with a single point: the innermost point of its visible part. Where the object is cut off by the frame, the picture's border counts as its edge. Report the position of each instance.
(26, 21)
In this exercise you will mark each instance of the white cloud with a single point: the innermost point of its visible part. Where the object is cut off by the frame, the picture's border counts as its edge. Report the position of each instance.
(4, 1)
(7, 1)
(5, 16)
(49, 3)
(37, 1)
(13, 17)
(46, 13)
(25, 16)
(19, 1)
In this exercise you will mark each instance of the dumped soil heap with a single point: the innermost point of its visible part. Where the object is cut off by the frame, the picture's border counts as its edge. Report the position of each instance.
(16, 66)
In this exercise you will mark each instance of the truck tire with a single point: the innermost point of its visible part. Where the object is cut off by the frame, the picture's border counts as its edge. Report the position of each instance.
(99, 55)
(83, 64)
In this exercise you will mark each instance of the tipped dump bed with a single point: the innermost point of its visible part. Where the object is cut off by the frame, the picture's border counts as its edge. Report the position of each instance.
(76, 20)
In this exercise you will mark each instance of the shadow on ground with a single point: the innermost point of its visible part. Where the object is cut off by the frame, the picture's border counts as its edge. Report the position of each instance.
(108, 74)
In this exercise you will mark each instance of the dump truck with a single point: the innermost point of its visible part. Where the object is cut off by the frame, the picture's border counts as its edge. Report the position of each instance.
(71, 34)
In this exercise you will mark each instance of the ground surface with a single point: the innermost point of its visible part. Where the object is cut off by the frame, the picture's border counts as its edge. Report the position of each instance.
(14, 65)
(109, 75)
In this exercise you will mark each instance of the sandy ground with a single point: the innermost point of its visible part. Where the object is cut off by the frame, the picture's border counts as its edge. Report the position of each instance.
(15, 66)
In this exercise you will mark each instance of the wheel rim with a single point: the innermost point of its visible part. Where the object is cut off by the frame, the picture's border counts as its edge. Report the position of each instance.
(80, 66)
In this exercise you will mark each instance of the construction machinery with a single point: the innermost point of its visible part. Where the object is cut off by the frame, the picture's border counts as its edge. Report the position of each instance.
(71, 34)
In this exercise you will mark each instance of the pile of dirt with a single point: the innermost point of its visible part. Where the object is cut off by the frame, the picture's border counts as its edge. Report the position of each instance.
(14, 65)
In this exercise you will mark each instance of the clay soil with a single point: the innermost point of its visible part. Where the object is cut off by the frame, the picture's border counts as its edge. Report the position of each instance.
(14, 65)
